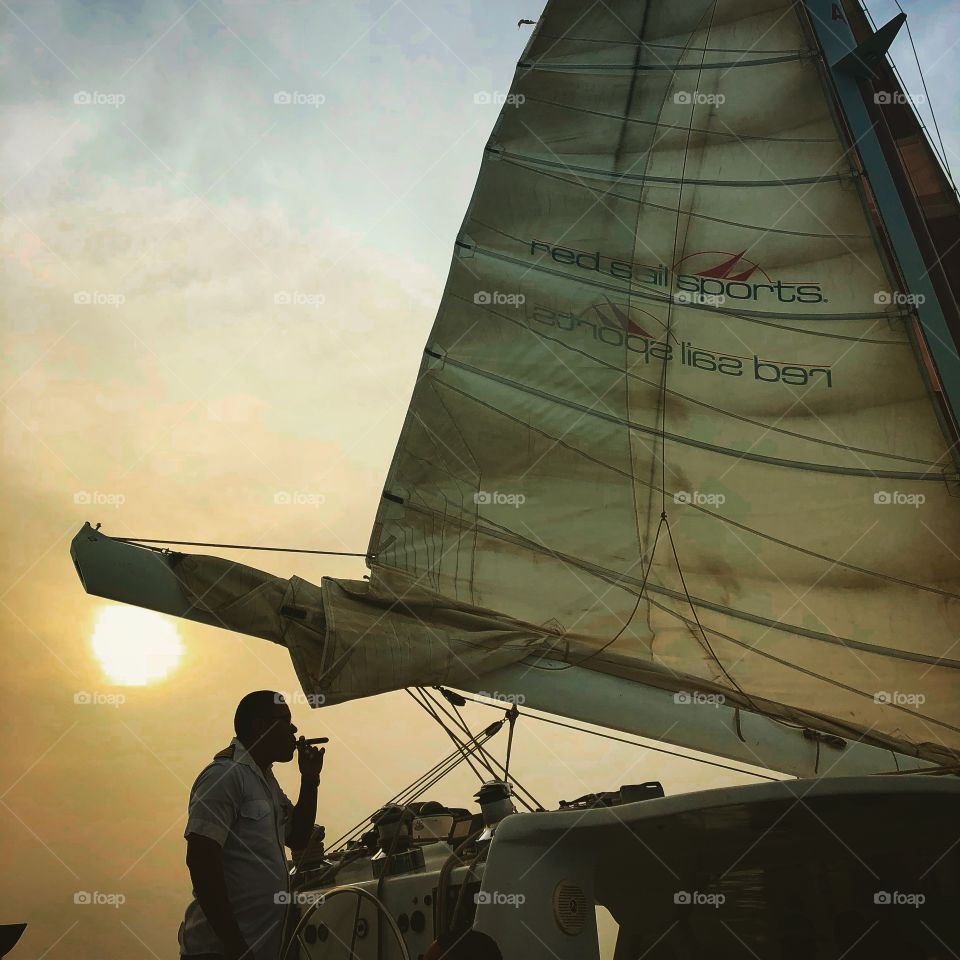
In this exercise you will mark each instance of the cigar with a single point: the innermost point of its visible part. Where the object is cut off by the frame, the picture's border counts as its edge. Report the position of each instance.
(318, 740)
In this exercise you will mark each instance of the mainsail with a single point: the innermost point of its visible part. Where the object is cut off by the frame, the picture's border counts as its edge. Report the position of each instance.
(679, 421)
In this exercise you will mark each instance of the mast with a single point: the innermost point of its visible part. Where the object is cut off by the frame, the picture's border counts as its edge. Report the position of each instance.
(925, 243)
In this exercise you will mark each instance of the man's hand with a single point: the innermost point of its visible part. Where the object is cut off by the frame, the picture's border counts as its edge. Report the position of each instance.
(310, 760)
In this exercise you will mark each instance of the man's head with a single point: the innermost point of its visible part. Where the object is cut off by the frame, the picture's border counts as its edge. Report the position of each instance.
(263, 725)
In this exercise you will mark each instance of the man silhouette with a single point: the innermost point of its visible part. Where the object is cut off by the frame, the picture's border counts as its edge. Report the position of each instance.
(237, 824)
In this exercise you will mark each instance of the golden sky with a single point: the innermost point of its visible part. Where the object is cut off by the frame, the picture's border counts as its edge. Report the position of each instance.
(210, 298)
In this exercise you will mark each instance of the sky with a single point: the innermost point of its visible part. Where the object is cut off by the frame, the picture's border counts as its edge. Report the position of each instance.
(226, 229)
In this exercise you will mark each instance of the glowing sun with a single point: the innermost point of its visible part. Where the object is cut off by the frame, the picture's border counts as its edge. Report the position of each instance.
(135, 646)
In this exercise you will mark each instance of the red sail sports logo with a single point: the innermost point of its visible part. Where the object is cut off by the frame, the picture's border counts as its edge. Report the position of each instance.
(704, 275)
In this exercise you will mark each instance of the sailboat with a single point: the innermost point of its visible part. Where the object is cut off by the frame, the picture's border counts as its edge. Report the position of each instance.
(681, 462)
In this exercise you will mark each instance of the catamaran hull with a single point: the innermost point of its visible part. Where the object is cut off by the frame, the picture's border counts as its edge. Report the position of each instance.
(806, 868)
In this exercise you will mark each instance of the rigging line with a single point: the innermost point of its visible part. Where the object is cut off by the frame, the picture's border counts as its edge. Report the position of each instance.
(811, 673)
(671, 46)
(450, 761)
(933, 116)
(240, 546)
(636, 606)
(634, 743)
(740, 455)
(689, 213)
(481, 759)
(703, 633)
(421, 784)
(644, 178)
(519, 786)
(587, 69)
(629, 584)
(833, 561)
(702, 403)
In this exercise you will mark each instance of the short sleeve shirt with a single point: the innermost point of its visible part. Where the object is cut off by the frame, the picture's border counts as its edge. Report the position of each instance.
(235, 804)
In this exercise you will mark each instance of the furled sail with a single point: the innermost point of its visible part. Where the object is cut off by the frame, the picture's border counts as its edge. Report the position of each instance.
(677, 422)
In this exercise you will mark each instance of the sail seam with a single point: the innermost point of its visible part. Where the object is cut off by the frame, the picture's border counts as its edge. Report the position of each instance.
(833, 561)
(770, 428)
(546, 67)
(625, 581)
(926, 476)
(643, 177)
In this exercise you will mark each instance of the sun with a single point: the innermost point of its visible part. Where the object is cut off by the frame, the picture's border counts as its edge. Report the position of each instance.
(135, 646)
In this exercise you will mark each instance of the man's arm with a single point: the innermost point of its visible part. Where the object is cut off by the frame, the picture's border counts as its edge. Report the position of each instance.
(205, 863)
(310, 762)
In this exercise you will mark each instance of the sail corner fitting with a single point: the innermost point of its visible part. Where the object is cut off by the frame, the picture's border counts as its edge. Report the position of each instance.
(860, 61)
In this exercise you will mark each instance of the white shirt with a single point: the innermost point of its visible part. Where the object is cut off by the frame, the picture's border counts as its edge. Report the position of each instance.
(244, 810)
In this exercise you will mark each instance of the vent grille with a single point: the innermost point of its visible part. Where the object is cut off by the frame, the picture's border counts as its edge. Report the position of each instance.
(570, 907)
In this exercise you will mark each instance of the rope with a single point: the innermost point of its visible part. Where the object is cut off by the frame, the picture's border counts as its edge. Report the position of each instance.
(633, 743)
(533, 802)
(241, 546)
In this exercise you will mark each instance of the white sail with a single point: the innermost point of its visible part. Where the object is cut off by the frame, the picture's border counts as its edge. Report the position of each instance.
(689, 197)
(676, 423)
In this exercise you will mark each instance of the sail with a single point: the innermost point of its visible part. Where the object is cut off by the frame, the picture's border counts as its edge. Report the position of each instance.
(670, 296)
(677, 425)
